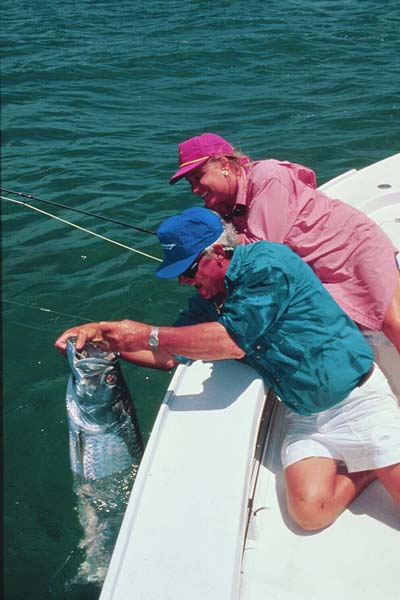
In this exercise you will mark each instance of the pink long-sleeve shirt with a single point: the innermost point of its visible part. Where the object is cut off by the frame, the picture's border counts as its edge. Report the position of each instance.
(350, 253)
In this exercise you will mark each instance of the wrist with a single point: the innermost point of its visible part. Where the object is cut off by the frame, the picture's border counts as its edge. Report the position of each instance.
(153, 340)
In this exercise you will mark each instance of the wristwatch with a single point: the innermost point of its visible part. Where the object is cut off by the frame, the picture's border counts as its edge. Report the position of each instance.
(153, 339)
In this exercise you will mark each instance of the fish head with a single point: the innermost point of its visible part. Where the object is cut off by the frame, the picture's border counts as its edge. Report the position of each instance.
(94, 375)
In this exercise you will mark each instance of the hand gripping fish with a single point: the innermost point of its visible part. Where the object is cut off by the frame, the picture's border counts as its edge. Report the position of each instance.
(105, 451)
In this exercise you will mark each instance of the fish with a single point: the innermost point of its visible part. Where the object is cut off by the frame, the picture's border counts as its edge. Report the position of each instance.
(105, 447)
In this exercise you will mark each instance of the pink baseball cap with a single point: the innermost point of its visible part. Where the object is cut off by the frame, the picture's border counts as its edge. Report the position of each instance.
(197, 150)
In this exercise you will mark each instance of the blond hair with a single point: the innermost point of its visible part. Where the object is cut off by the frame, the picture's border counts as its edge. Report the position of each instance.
(236, 160)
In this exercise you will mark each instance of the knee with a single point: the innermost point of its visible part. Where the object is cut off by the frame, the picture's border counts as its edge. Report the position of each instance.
(390, 477)
(391, 328)
(391, 322)
(312, 511)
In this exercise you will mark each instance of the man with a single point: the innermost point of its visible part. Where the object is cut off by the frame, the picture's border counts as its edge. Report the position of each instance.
(262, 304)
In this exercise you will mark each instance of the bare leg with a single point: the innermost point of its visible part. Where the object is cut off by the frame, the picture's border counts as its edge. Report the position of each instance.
(317, 494)
(390, 477)
(391, 322)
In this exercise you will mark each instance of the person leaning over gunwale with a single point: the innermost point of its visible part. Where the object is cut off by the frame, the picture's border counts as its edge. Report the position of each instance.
(278, 201)
(262, 304)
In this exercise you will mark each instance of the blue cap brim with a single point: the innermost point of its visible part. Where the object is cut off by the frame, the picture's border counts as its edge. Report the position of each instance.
(175, 269)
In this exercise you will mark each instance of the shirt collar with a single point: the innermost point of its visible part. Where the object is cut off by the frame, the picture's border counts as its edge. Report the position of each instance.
(239, 209)
(241, 196)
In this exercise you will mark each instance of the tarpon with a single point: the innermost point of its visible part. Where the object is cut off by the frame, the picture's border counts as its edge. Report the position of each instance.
(105, 451)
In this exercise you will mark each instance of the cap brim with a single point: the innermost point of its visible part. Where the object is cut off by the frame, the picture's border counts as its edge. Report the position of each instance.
(186, 169)
(176, 268)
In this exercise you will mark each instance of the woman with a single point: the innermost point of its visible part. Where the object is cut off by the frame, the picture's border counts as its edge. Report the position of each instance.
(278, 201)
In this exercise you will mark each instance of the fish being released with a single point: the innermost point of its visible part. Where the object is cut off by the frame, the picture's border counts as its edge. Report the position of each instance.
(105, 450)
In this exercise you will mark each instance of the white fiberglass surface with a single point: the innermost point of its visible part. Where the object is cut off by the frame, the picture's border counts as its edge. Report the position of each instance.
(182, 533)
(354, 559)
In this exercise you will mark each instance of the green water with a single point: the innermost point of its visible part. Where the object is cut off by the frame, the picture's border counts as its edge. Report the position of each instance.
(95, 98)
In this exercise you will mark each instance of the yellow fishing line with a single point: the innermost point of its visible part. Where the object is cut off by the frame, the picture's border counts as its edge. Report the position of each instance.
(102, 237)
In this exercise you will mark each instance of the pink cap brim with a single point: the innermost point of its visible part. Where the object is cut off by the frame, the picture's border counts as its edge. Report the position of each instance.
(186, 169)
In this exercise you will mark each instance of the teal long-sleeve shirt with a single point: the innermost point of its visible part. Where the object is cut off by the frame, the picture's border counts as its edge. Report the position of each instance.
(293, 333)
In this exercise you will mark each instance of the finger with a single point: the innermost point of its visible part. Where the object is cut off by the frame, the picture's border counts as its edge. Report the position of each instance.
(83, 335)
(61, 341)
(61, 346)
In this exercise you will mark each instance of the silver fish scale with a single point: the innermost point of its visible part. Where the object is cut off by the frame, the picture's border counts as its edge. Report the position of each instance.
(97, 456)
(105, 451)
(103, 429)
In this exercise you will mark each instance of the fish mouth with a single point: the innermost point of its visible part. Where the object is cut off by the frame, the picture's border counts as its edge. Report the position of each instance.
(90, 350)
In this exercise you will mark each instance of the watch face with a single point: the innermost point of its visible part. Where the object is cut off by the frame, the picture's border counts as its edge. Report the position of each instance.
(153, 340)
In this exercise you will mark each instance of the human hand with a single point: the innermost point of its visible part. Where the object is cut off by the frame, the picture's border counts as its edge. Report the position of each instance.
(83, 334)
(117, 336)
(126, 335)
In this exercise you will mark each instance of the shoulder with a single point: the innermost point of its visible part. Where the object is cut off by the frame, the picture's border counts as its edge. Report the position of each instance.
(262, 250)
(264, 168)
(263, 259)
(285, 172)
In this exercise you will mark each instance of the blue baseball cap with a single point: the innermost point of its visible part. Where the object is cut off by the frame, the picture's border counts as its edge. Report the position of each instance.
(183, 237)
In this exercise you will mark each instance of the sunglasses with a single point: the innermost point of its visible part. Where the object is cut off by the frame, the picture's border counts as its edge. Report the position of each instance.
(191, 271)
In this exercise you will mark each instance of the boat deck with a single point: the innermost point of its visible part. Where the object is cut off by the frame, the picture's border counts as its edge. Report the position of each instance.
(189, 513)
(183, 531)
(354, 559)
(357, 557)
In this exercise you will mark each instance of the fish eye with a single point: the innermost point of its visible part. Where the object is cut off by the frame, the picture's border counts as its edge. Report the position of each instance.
(111, 378)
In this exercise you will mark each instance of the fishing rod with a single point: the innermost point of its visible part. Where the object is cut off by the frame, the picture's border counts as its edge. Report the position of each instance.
(77, 210)
(102, 237)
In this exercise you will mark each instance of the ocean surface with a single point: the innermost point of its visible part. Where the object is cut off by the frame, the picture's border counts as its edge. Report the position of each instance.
(96, 96)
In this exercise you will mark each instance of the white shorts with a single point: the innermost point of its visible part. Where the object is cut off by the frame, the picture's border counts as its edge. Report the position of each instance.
(363, 430)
